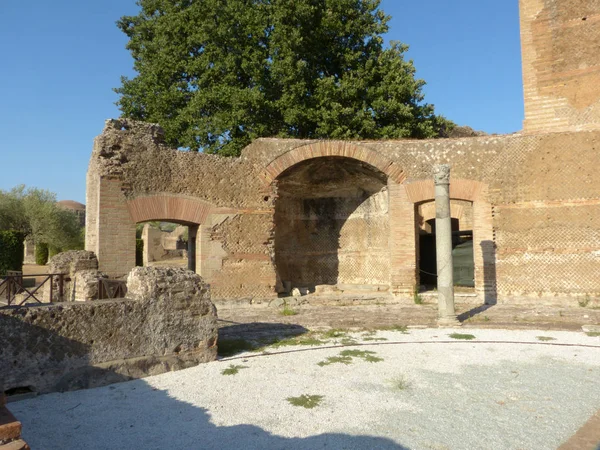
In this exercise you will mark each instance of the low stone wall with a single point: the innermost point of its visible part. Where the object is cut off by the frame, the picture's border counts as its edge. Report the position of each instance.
(167, 323)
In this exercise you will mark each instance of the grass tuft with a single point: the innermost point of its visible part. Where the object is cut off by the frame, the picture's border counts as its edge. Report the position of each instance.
(307, 340)
(545, 338)
(356, 353)
(335, 333)
(417, 297)
(346, 357)
(465, 337)
(335, 360)
(287, 311)
(399, 383)
(232, 369)
(371, 358)
(306, 401)
(593, 333)
(584, 301)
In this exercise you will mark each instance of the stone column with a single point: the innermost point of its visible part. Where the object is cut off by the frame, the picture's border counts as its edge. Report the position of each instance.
(192, 233)
(443, 246)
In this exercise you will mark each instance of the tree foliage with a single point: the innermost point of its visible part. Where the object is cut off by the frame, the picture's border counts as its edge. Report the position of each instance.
(217, 74)
(34, 213)
(11, 251)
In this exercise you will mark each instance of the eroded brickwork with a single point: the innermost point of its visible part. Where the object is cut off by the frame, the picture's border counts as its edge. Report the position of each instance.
(560, 42)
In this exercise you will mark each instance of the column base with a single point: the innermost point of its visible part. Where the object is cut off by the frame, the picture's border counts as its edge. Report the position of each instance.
(448, 322)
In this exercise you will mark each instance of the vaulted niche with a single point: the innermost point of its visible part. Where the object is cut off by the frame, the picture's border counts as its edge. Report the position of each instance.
(332, 226)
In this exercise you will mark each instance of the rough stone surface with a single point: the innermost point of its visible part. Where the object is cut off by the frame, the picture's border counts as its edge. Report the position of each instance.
(85, 285)
(168, 323)
(71, 263)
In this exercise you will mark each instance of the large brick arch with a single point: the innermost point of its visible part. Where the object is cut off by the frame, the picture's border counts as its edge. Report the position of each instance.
(333, 148)
(167, 208)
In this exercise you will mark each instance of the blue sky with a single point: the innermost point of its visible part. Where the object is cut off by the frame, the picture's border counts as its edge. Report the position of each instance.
(60, 60)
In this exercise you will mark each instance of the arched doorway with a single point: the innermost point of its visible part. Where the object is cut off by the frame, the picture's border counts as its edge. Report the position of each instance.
(474, 196)
(184, 211)
(332, 226)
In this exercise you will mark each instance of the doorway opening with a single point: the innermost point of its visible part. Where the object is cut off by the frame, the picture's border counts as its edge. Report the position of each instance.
(462, 245)
(166, 244)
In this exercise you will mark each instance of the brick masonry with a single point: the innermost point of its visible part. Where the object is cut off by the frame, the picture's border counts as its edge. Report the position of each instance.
(560, 42)
(534, 199)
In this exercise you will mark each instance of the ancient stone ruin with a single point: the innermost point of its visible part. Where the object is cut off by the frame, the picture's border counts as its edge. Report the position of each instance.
(168, 322)
(315, 216)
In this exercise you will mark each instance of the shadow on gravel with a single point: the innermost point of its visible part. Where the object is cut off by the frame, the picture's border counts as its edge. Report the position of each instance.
(135, 415)
(235, 337)
(132, 415)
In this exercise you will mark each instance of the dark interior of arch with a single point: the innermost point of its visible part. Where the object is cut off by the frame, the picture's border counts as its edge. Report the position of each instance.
(332, 226)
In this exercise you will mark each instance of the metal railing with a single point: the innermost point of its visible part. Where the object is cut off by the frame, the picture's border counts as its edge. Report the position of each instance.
(14, 292)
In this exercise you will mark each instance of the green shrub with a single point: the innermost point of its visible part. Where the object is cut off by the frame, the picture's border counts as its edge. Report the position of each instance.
(139, 252)
(53, 250)
(11, 251)
(41, 253)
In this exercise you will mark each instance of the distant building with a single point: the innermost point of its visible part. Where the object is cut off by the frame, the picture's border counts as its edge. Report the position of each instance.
(76, 207)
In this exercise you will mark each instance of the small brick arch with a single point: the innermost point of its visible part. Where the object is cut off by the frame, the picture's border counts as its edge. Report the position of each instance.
(428, 211)
(333, 148)
(460, 189)
(169, 208)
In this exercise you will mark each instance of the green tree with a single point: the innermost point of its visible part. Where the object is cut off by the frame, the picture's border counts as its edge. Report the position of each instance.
(217, 74)
(34, 213)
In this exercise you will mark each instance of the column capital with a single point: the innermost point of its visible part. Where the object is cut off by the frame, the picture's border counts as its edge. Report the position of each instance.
(441, 174)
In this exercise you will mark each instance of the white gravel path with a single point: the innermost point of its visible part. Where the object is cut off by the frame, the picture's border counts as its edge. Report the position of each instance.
(459, 395)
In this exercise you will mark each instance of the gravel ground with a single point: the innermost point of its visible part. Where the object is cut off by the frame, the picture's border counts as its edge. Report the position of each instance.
(423, 394)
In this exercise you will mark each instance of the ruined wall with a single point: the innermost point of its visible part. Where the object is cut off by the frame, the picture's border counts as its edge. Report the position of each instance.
(241, 260)
(560, 42)
(534, 195)
(167, 323)
(534, 205)
(130, 162)
(541, 191)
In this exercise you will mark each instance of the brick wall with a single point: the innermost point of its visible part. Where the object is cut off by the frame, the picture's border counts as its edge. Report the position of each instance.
(560, 42)
(534, 198)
